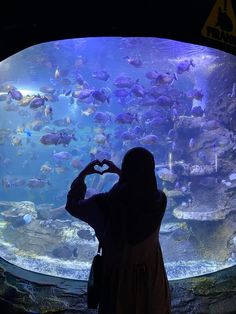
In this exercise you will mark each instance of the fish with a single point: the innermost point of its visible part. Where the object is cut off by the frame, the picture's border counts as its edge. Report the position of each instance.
(35, 183)
(60, 170)
(101, 75)
(123, 81)
(135, 61)
(152, 75)
(184, 66)
(147, 101)
(101, 117)
(57, 138)
(100, 138)
(100, 96)
(62, 155)
(164, 100)
(138, 90)
(148, 139)
(76, 163)
(37, 101)
(126, 117)
(62, 122)
(17, 182)
(128, 136)
(165, 78)
(84, 93)
(15, 94)
(37, 125)
(121, 93)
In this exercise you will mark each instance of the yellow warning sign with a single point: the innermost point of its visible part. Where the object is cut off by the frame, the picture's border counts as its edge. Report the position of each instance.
(221, 23)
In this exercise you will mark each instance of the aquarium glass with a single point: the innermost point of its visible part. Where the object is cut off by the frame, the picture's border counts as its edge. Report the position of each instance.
(64, 103)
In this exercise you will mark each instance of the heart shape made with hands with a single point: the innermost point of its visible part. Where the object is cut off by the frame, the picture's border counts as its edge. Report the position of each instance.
(102, 167)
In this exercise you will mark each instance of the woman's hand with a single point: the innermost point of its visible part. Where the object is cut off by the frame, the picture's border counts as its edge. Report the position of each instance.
(112, 168)
(89, 169)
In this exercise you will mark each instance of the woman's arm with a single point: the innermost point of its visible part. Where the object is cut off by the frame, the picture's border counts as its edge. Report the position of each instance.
(90, 210)
(76, 205)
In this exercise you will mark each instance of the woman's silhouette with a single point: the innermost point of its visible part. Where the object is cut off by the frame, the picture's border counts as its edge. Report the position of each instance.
(127, 220)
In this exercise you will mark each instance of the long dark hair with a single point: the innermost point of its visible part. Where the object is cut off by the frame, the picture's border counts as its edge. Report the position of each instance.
(133, 199)
(138, 171)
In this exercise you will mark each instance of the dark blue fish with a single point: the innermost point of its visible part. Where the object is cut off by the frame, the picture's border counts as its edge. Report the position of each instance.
(37, 102)
(138, 90)
(164, 100)
(62, 122)
(135, 61)
(101, 117)
(100, 96)
(57, 138)
(85, 93)
(124, 82)
(101, 75)
(148, 101)
(121, 93)
(128, 136)
(184, 66)
(152, 75)
(165, 78)
(156, 91)
(126, 117)
(15, 94)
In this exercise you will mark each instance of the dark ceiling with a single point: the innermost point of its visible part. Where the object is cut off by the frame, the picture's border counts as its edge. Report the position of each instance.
(22, 25)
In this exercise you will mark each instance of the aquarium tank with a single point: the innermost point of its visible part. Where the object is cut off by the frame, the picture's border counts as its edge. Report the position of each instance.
(65, 103)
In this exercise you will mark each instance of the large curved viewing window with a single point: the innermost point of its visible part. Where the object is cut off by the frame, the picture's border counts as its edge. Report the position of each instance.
(64, 103)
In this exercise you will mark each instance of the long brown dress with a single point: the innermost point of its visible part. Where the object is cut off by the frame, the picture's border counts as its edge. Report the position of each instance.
(135, 280)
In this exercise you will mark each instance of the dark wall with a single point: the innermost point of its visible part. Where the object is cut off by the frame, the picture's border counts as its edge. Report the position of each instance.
(23, 25)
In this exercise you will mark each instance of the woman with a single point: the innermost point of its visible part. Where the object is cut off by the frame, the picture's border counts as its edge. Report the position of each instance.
(127, 221)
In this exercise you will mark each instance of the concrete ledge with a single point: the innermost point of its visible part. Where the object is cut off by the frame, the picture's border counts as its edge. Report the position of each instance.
(22, 291)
